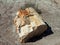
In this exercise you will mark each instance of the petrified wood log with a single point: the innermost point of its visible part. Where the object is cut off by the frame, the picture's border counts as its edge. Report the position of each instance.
(29, 25)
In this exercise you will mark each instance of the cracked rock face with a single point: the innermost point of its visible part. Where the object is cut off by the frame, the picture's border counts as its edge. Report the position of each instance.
(28, 24)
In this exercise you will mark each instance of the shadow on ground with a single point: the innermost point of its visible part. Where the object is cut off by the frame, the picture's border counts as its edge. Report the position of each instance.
(46, 33)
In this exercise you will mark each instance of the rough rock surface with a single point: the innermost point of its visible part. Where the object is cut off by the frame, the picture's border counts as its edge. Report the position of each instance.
(50, 11)
(35, 27)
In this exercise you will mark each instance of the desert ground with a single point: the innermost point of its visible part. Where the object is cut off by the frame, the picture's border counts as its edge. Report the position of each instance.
(48, 9)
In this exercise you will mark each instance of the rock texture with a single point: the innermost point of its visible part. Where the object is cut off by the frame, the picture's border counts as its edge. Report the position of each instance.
(35, 27)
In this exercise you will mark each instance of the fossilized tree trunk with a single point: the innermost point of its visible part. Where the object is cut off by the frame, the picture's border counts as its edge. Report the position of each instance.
(34, 26)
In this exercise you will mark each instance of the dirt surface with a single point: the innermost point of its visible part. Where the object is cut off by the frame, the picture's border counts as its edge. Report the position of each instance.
(48, 9)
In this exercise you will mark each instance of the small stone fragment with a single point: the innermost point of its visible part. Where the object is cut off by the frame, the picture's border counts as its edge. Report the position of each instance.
(29, 24)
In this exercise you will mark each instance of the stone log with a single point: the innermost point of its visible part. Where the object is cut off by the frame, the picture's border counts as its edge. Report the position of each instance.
(34, 26)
